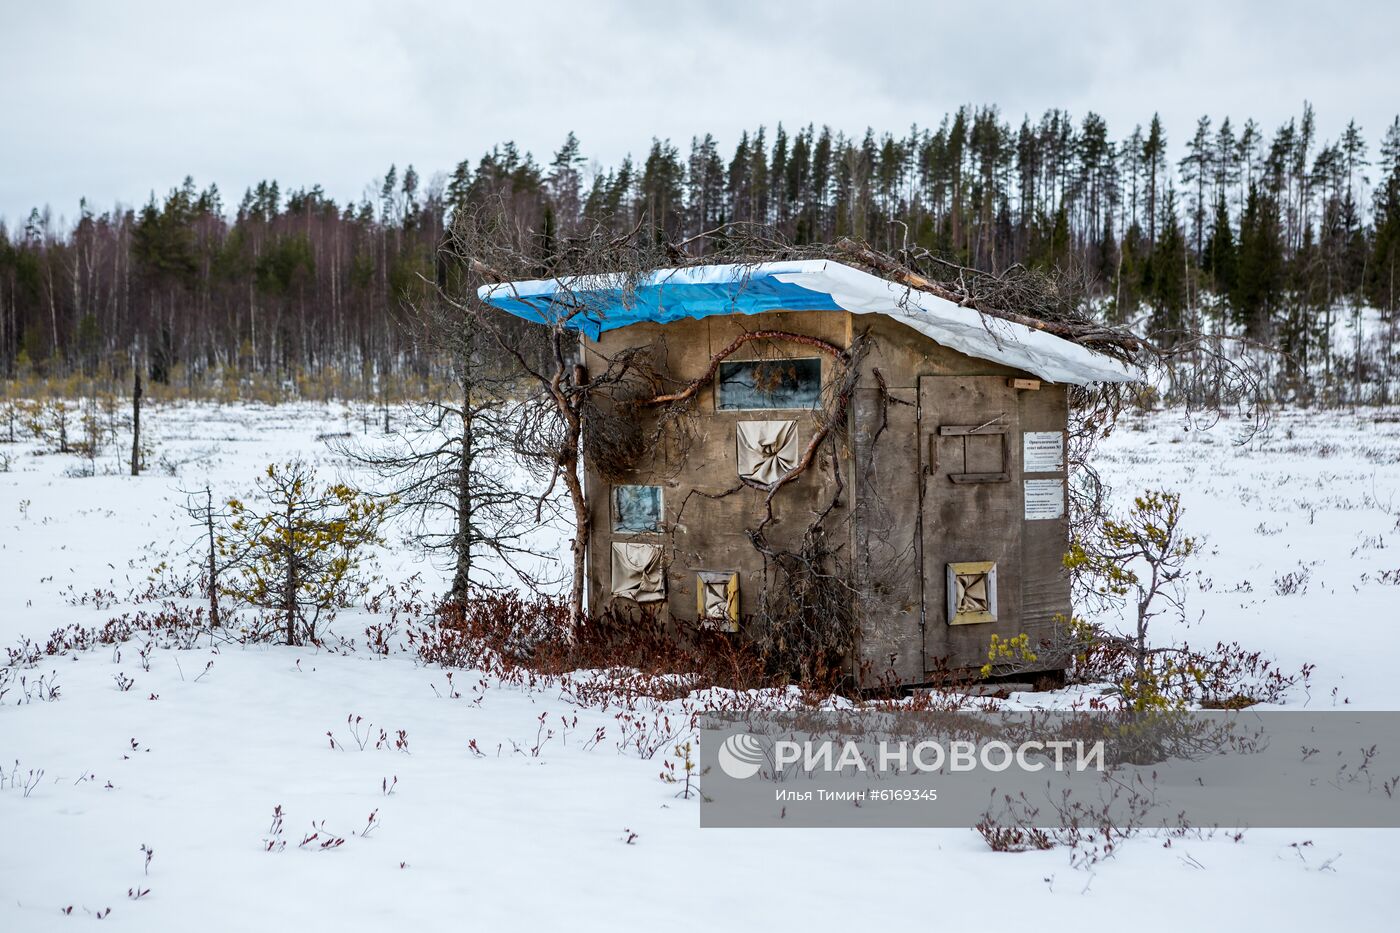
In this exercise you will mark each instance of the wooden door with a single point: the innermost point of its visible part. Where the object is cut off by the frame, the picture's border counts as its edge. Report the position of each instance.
(970, 511)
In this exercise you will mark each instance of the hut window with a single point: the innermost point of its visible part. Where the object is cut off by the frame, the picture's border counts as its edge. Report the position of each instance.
(637, 573)
(972, 592)
(766, 449)
(636, 508)
(717, 598)
(748, 384)
(973, 453)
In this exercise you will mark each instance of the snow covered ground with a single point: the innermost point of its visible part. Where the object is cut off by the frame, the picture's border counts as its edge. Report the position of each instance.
(533, 831)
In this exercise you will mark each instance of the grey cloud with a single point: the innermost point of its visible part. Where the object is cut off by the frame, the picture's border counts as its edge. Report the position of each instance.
(113, 101)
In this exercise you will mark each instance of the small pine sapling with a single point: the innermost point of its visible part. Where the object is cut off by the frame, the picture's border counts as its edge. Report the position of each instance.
(300, 553)
(688, 770)
(1141, 560)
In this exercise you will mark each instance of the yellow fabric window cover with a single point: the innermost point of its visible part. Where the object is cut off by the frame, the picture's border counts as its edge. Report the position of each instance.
(717, 597)
(767, 450)
(637, 573)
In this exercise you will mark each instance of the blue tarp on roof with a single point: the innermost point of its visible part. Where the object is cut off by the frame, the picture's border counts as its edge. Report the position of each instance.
(594, 304)
(597, 305)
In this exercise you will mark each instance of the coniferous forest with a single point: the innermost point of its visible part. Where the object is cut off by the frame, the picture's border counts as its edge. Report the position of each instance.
(1274, 234)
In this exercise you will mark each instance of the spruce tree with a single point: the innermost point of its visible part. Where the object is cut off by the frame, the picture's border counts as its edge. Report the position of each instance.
(1220, 260)
(1154, 150)
(1383, 274)
(1166, 281)
(1259, 273)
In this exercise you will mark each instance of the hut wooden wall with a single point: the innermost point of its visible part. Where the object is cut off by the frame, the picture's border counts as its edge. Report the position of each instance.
(703, 533)
(901, 608)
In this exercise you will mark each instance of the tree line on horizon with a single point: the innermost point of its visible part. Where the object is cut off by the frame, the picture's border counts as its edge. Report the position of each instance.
(1269, 235)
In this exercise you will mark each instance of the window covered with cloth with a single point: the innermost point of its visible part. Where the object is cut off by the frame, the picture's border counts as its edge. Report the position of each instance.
(972, 592)
(637, 573)
(767, 449)
(718, 599)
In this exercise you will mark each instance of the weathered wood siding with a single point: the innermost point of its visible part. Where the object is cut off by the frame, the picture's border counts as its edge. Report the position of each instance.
(710, 533)
(900, 518)
(971, 521)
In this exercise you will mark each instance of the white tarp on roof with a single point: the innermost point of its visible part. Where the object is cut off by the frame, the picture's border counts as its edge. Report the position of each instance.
(967, 330)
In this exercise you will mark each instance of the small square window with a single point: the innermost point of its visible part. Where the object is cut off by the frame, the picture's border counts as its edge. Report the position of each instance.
(972, 592)
(778, 383)
(636, 508)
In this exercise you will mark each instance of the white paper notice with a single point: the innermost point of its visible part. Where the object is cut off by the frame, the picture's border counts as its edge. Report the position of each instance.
(1045, 498)
(1043, 452)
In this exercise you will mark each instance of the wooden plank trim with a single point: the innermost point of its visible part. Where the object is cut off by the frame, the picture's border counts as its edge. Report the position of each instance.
(968, 478)
(959, 430)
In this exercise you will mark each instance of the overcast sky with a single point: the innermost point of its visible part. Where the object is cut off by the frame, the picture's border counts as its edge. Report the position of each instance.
(114, 100)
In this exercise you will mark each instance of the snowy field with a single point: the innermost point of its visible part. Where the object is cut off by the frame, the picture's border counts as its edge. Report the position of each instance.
(486, 820)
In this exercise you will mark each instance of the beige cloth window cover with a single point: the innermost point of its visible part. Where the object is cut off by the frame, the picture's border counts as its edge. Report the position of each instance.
(718, 599)
(637, 572)
(767, 450)
(972, 592)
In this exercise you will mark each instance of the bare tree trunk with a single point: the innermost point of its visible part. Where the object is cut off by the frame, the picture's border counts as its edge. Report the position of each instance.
(569, 466)
(289, 595)
(461, 578)
(136, 423)
(213, 567)
(582, 531)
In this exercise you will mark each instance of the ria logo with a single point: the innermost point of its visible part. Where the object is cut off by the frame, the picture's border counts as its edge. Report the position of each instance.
(741, 756)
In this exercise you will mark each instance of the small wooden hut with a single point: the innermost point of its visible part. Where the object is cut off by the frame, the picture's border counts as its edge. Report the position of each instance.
(924, 442)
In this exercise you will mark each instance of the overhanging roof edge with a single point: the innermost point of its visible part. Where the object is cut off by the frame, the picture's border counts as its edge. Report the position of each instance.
(599, 303)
